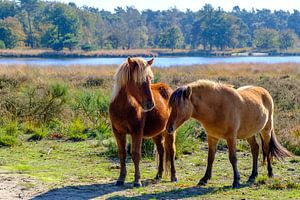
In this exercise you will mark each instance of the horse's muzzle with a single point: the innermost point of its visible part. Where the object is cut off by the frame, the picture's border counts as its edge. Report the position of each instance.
(170, 129)
(148, 106)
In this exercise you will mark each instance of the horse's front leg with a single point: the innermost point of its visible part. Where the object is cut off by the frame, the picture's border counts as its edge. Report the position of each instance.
(121, 141)
(171, 153)
(212, 148)
(231, 142)
(136, 156)
(158, 140)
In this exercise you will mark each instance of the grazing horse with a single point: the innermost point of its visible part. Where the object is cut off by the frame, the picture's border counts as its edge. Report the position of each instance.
(140, 109)
(230, 114)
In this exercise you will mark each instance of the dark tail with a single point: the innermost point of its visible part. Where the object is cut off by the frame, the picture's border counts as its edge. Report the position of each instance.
(276, 149)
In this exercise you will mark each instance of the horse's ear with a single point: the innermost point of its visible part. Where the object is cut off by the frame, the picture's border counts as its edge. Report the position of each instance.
(188, 92)
(131, 62)
(150, 62)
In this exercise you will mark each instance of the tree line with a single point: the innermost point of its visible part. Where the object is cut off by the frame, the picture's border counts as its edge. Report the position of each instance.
(40, 24)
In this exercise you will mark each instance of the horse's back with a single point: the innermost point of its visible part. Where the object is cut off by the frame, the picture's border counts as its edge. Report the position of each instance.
(256, 109)
(163, 89)
(256, 94)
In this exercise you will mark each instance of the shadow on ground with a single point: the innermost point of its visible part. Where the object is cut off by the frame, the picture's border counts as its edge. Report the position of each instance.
(85, 192)
(195, 191)
(80, 192)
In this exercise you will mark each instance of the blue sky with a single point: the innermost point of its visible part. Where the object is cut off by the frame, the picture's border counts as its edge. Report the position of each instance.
(191, 4)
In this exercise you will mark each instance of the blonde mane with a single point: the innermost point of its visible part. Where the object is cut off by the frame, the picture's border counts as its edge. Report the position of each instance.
(124, 73)
(206, 83)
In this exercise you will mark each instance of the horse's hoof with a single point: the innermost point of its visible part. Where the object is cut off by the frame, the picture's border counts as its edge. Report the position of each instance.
(251, 180)
(157, 177)
(236, 185)
(174, 179)
(119, 183)
(270, 175)
(137, 185)
(202, 183)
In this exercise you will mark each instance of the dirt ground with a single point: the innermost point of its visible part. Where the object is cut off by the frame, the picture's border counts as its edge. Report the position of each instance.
(17, 186)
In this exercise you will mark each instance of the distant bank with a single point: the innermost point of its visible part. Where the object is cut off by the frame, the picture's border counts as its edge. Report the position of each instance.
(41, 53)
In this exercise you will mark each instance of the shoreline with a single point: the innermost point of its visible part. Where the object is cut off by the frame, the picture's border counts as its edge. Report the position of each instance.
(40, 53)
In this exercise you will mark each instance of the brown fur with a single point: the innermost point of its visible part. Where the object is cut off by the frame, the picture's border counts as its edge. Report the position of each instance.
(229, 114)
(128, 115)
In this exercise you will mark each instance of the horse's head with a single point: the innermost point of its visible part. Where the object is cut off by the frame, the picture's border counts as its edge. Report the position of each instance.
(181, 108)
(139, 82)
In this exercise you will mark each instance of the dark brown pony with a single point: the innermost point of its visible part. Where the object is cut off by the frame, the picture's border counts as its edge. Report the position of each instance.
(230, 114)
(140, 109)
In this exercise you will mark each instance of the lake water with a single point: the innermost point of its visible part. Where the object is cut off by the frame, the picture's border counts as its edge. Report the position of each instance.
(159, 61)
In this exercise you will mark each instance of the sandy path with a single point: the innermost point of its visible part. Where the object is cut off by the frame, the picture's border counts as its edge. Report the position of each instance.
(17, 186)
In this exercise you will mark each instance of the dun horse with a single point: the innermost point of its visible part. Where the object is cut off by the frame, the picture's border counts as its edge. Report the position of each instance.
(229, 114)
(140, 109)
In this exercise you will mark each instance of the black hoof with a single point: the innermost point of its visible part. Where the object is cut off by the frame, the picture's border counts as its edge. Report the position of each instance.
(236, 185)
(202, 182)
(251, 180)
(157, 177)
(119, 183)
(174, 179)
(270, 175)
(137, 185)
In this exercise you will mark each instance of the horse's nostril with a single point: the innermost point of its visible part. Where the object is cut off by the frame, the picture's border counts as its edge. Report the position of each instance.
(150, 104)
(170, 129)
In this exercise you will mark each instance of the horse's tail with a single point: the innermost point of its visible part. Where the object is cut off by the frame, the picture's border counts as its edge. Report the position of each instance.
(276, 149)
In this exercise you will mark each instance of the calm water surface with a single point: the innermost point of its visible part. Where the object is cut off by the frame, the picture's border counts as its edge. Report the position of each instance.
(159, 61)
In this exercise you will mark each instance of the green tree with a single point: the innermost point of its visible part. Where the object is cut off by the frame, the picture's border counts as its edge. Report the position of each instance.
(266, 38)
(172, 38)
(7, 9)
(2, 44)
(66, 30)
(29, 6)
(294, 22)
(287, 39)
(11, 32)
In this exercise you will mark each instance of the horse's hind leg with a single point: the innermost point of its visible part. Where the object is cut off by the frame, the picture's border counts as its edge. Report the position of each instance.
(266, 137)
(158, 140)
(212, 148)
(255, 151)
(231, 142)
(121, 141)
(170, 149)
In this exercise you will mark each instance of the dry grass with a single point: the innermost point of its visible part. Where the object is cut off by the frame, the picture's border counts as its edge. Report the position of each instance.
(77, 53)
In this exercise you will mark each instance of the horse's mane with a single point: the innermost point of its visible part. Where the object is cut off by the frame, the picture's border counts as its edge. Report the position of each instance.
(179, 94)
(124, 73)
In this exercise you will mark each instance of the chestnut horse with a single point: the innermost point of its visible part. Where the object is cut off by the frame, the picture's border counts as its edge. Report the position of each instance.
(229, 114)
(140, 109)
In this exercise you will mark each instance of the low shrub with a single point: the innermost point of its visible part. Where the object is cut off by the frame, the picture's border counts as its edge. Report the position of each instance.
(7, 140)
(76, 131)
(9, 134)
(39, 134)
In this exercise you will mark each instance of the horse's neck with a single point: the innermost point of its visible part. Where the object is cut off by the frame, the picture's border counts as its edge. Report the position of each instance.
(202, 105)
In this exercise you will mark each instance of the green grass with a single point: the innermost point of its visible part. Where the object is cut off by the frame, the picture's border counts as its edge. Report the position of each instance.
(62, 164)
